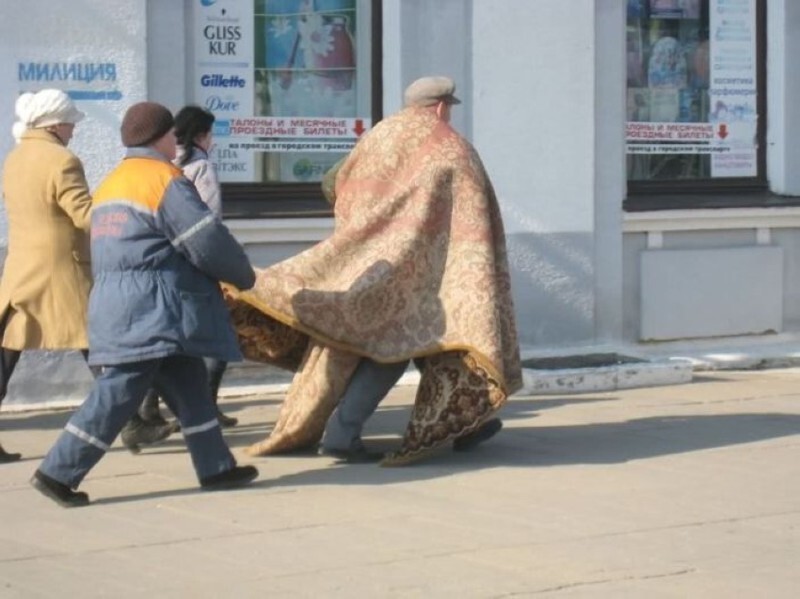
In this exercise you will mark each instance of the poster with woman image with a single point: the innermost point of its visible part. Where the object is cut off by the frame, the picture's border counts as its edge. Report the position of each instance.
(307, 58)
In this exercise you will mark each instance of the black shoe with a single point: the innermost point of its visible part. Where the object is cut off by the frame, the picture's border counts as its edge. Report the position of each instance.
(226, 421)
(357, 455)
(7, 458)
(58, 492)
(484, 432)
(137, 432)
(150, 413)
(153, 418)
(238, 476)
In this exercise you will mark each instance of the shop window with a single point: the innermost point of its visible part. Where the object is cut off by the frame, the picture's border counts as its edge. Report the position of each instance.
(293, 84)
(696, 99)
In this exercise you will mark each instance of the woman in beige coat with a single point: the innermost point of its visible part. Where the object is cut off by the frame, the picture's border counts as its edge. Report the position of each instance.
(47, 275)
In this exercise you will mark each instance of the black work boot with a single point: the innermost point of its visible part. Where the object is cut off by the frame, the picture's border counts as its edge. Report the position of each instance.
(238, 476)
(58, 492)
(149, 409)
(6, 458)
(226, 421)
(484, 432)
(138, 432)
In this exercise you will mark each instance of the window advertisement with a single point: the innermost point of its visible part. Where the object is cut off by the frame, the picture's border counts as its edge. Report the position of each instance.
(691, 104)
(292, 94)
(732, 95)
(223, 78)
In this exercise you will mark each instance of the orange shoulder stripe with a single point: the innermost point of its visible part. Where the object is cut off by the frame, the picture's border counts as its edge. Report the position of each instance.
(138, 180)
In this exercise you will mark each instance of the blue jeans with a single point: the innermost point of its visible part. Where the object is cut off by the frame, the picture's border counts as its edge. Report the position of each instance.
(116, 396)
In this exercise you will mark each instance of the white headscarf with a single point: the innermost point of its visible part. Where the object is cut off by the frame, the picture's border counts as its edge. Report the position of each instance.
(43, 109)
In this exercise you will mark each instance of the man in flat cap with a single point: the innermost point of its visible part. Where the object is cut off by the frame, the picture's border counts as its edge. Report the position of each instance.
(155, 311)
(429, 91)
(416, 269)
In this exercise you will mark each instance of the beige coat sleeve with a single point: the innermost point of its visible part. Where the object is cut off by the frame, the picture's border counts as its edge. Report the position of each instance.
(72, 193)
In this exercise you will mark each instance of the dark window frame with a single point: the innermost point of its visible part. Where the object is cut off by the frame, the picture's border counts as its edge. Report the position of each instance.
(724, 192)
(282, 200)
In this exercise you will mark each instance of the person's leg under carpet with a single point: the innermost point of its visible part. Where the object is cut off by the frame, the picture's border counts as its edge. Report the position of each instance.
(368, 386)
(114, 398)
(8, 360)
(182, 382)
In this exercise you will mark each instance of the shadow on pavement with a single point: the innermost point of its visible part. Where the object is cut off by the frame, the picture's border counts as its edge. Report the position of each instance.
(530, 447)
(518, 445)
(637, 439)
(526, 447)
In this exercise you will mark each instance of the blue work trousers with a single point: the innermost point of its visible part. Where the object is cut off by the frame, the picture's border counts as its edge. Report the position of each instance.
(115, 397)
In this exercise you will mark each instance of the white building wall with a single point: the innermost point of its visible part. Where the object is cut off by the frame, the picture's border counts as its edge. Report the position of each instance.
(534, 103)
(783, 82)
(610, 177)
(167, 52)
(90, 32)
(533, 110)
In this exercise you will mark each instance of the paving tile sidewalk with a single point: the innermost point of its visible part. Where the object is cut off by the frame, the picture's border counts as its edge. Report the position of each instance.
(681, 491)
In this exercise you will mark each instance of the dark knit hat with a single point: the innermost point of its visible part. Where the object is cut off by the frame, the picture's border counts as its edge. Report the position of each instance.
(144, 123)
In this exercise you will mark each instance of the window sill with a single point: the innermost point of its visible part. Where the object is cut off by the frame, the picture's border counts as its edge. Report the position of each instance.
(761, 220)
(280, 230)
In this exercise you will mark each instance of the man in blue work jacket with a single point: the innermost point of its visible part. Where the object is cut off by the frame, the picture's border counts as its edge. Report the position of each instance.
(155, 311)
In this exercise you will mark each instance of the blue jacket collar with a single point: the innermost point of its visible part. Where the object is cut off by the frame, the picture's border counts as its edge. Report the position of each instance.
(145, 152)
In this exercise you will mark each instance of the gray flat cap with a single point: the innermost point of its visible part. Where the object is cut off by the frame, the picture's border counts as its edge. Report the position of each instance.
(428, 91)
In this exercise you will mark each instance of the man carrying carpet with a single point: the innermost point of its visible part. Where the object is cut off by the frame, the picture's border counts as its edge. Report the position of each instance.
(416, 268)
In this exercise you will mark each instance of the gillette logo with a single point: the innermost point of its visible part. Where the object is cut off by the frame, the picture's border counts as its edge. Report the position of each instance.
(222, 81)
(208, 2)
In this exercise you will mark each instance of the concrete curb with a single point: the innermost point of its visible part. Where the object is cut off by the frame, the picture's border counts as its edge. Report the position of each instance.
(606, 378)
